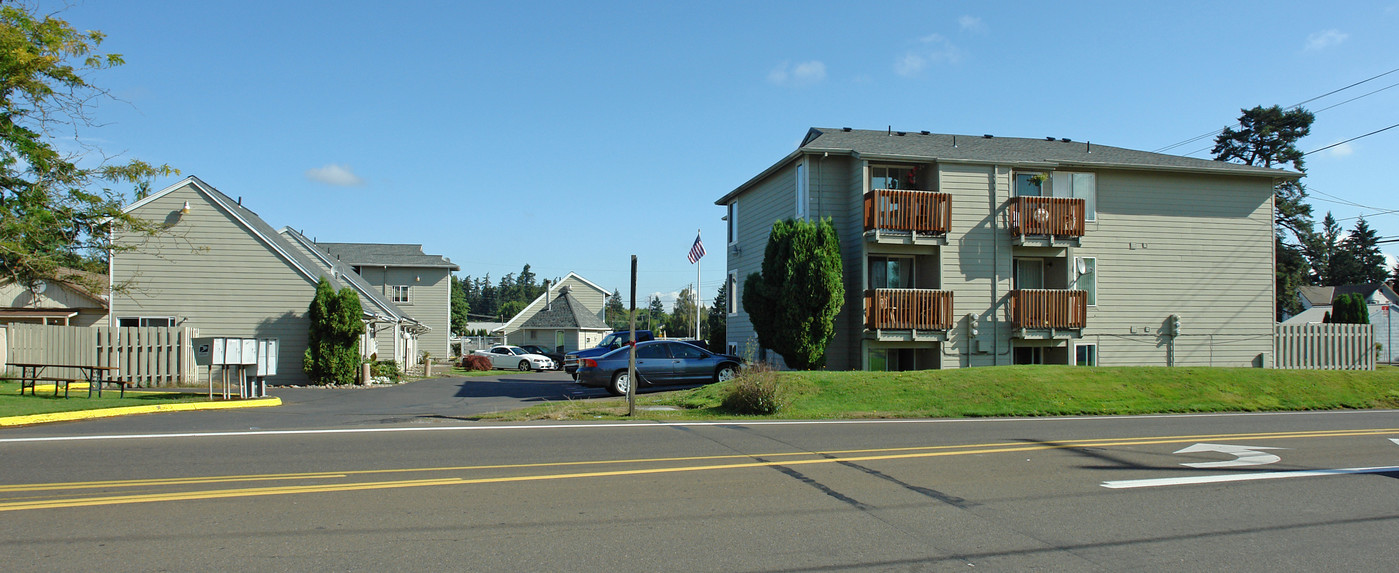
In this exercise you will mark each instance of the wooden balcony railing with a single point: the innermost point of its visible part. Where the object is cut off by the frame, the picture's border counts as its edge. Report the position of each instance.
(901, 210)
(908, 309)
(1060, 216)
(1039, 308)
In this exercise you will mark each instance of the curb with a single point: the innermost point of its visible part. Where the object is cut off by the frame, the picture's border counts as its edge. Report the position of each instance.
(129, 410)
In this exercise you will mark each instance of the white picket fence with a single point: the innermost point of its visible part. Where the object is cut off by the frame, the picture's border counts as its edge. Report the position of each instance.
(1316, 346)
(144, 356)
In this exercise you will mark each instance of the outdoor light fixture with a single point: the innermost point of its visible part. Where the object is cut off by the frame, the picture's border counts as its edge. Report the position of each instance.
(185, 210)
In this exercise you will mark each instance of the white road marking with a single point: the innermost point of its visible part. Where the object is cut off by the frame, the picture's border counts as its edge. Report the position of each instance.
(1195, 480)
(1245, 455)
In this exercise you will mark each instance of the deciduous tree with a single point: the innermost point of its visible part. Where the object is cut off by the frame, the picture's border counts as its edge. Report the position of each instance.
(53, 204)
(793, 302)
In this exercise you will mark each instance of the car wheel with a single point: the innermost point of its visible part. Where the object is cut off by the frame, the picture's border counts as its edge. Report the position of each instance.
(725, 373)
(620, 381)
(524, 366)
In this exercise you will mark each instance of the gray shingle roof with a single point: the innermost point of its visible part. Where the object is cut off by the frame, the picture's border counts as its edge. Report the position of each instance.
(565, 312)
(916, 146)
(387, 255)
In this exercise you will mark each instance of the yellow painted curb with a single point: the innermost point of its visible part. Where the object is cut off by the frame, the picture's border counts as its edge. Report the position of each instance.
(128, 410)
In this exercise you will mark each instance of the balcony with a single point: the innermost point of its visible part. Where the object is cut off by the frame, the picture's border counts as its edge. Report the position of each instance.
(911, 314)
(907, 217)
(1041, 313)
(1046, 221)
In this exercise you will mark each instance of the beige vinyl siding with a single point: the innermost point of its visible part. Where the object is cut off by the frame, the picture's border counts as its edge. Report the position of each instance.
(976, 262)
(429, 300)
(758, 208)
(214, 275)
(1197, 246)
(839, 179)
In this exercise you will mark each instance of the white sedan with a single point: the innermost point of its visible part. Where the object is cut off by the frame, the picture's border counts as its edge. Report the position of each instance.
(509, 357)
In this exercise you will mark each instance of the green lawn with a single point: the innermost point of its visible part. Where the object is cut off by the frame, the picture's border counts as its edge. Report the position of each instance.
(12, 404)
(1020, 391)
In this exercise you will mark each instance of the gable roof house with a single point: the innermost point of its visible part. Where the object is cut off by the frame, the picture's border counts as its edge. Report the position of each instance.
(221, 270)
(416, 282)
(62, 302)
(568, 316)
(979, 250)
(1380, 300)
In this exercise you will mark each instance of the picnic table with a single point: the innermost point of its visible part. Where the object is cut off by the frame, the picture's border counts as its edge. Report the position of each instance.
(95, 376)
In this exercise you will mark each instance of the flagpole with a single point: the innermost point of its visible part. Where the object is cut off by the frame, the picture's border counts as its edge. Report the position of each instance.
(697, 287)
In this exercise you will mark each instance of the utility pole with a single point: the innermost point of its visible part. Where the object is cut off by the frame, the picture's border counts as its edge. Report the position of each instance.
(631, 360)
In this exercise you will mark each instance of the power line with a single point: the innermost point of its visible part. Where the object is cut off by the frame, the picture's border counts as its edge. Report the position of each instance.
(1351, 139)
(1219, 131)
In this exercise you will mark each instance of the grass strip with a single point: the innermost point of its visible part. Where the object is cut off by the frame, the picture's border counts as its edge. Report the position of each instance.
(12, 404)
(1015, 391)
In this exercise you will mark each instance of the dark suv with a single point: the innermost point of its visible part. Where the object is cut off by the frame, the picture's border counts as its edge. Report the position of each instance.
(609, 343)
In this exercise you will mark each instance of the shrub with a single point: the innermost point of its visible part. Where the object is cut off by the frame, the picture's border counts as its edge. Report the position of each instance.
(386, 369)
(757, 391)
(475, 362)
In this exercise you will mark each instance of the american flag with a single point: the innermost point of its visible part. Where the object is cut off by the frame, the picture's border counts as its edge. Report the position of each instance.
(697, 251)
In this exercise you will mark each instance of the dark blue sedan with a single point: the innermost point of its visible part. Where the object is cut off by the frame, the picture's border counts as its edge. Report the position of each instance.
(657, 362)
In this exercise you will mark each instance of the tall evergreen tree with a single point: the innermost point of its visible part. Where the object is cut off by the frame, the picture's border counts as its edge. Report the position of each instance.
(615, 313)
(460, 308)
(793, 302)
(1364, 263)
(656, 315)
(716, 323)
(1322, 250)
(1267, 137)
(332, 341)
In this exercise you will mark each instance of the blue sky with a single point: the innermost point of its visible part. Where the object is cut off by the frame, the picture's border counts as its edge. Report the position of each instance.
(572, 135)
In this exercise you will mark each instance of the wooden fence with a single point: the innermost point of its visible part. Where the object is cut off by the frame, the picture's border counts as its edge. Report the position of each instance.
(146, 356)
(1325, 346)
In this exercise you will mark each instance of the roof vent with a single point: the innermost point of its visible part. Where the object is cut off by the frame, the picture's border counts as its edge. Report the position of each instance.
(925, 132)
(900, 133)
(1050, 138)
(845, 129)
(1065, 139)
(988, 136)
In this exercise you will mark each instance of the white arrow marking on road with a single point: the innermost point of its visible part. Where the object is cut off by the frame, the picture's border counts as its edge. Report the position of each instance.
(1196, 480)
(1395, 440)
(1246, 455)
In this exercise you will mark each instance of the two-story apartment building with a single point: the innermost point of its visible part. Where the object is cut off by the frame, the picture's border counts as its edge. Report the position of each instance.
(418, 283)
(980, 250)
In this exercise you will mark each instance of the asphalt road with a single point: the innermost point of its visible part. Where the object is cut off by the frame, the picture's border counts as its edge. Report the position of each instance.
(1303, 491)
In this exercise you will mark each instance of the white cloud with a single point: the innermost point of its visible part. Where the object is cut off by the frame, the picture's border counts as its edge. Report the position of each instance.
(335, 174)
(1341, 150)
(1318, 41)
(800, 74)
(971, 24)
(935, 49)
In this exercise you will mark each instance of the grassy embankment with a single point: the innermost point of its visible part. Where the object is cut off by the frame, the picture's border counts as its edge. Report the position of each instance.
(12, 404)
(1017, 391)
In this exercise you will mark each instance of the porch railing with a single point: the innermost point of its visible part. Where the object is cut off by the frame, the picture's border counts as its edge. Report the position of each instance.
(908, 309)
(1041, 308)
(1059, 216)
(901, 210)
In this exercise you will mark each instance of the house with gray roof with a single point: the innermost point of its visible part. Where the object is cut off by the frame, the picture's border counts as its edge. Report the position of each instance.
(971, 250)
(220, 270)
(418, 283)
(568, 316)
(1380, 301)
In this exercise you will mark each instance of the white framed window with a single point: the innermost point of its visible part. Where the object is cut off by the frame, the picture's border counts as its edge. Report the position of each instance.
(1078, 186)
(1086, 354)
(401, 293)
(803, 189)
(893, 177)
(732, 219)
(732, 301)
(131, 321)
(1087, 280)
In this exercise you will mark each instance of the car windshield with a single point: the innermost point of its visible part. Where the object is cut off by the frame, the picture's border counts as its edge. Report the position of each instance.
(517, 351)
(613, 340)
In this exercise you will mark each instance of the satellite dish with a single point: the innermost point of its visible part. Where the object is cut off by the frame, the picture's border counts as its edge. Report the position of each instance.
(39, 287)
(1082, 265)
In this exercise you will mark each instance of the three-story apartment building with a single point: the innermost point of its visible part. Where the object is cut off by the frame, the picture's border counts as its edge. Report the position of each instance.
(980, 250)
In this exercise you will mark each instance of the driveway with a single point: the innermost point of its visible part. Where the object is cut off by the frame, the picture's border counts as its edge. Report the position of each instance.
(430, 401)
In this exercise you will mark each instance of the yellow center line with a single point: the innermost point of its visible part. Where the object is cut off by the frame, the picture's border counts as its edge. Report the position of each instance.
(828, 457)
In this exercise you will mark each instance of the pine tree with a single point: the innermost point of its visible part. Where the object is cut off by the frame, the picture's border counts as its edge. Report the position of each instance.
(1363, 261)
(332, 342)
(615, 314)
(716, 323)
